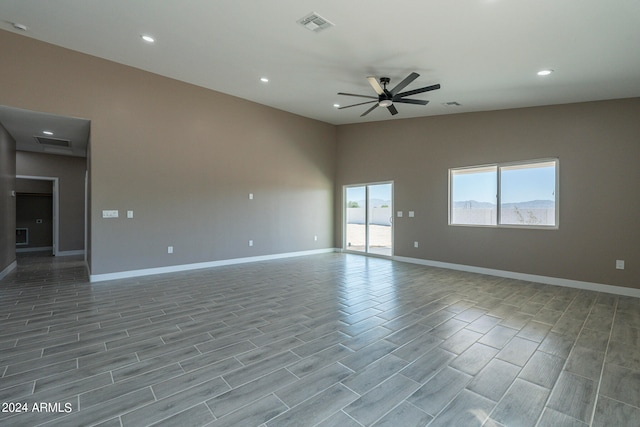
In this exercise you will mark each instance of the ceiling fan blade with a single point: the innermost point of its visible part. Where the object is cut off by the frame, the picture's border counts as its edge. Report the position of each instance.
(375, 85)
(392, 110)
(355, 105)
(369, 110)
(411, 77)
(411, 101)
(361, 96)
(416, 91)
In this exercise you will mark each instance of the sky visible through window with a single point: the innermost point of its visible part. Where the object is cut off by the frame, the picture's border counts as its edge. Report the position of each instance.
(481, 187)
(524, 185)
(376, 192)
(517, 185)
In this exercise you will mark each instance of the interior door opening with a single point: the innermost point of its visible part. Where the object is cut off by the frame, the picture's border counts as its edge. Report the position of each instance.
(34, 218)
(368, 218)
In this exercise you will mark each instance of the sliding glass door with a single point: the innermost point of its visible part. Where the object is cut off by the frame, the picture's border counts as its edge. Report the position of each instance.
(368, 218)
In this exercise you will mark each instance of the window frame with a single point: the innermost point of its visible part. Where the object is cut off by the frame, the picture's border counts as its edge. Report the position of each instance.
(498, 167)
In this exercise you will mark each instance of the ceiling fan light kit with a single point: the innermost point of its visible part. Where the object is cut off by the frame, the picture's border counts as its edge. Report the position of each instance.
(386, 98)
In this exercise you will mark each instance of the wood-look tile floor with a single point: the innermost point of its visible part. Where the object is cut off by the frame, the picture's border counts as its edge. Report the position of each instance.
(329, 340)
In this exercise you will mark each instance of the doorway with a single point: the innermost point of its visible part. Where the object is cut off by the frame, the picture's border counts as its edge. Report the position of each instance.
(368, 218)
(37, 214)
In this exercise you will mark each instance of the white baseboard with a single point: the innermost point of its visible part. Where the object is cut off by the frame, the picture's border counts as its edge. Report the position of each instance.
(71, 253)
(589, 286)
(8, 269)
(200, 265)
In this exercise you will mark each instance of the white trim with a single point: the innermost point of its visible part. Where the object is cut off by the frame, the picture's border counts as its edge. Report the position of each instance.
(86, 212)
(8, 270)
(366, 216)
(40, 249)
(71, 253)
(556, 281)
(498, 170)
(200, 265)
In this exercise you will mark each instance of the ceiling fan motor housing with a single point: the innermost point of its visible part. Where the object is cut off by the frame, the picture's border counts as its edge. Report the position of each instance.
(387, 98)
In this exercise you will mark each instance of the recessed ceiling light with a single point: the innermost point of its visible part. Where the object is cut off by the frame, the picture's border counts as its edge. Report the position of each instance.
(544, 72)
(19, 26)
(336, 105)
(264, 80)
(148, 38)
(47, 132)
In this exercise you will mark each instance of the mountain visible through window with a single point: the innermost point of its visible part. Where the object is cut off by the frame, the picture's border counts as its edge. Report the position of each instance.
(520, 194)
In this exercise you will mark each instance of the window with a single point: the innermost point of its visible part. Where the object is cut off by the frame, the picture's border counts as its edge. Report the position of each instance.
(473, 195)
(520, 194)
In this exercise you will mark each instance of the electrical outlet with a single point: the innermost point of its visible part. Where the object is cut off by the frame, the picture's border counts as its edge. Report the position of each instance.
(415, 244)
(250, 242)
(129, 214)
(169, 249)
(620, 264)
(411, 214)
(315, 238)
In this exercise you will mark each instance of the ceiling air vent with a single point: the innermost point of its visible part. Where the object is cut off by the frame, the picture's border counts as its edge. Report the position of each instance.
(451, 104)
(53, 142)
(314, 22)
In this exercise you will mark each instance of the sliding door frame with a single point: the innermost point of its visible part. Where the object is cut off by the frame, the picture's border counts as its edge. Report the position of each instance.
(366, 186)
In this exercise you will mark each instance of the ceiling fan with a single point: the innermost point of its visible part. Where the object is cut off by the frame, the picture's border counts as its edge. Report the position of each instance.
(386, 98)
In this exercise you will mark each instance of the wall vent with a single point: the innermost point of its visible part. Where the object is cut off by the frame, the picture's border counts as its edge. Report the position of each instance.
(53, 142)
(314, 22)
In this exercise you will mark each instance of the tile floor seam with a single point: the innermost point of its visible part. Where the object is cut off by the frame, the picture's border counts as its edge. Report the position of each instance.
(392, 409)
(435, 417)
(604, 362)
(566, 361)
(355, 291)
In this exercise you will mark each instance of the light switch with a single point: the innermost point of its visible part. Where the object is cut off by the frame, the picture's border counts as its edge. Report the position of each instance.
(110, 214)
(129, 214)
(399, 214)
(250, 196)
(411, 214)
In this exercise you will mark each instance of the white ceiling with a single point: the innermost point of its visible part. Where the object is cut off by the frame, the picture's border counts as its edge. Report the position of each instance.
(484, 53)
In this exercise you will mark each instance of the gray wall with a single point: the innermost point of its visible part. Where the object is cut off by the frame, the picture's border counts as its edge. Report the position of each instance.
(598, 144)
(70, 172)
(183, 158)
(34, 186)
(7, 201)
